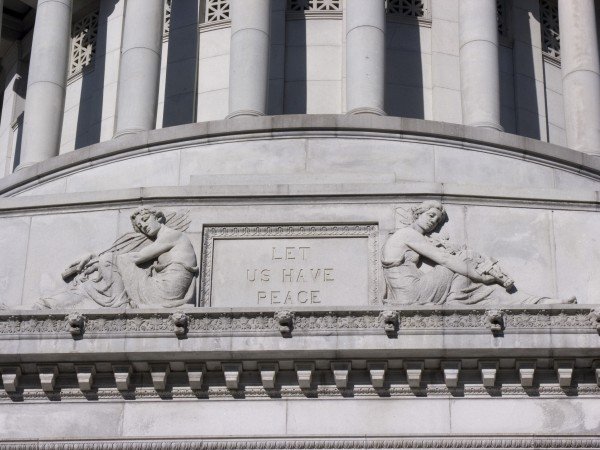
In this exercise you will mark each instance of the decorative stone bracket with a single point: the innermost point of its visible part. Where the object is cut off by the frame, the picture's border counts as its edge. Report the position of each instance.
(495, 320)
(214, 379)
(180, 320)
(390, 322)
(76, 323)
(285, 319)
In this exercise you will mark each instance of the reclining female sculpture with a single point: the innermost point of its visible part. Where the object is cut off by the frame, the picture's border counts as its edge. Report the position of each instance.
(459, 275)
(155, 266)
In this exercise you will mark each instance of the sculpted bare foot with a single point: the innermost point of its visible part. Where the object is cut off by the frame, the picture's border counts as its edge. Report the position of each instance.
(557, 301)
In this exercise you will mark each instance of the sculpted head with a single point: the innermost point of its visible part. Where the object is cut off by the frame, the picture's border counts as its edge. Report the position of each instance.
(429, 215)
(147, 221)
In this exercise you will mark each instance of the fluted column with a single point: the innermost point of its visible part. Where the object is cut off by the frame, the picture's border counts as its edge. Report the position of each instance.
(249, 57)
(46, 82)
(479, 66)
(580, 74)
(139, 73)
(365, 57)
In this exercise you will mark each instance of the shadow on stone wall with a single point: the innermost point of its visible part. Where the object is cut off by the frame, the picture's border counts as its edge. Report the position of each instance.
(182, 59)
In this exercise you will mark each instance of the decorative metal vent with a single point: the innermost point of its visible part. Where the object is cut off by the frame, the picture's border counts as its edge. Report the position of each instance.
(216, 11)
(83, 42)
(406, 8)
(315, 5)
(550, 27)
(167, 18)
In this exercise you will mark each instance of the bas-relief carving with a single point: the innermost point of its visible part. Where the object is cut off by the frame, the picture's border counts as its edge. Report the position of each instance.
(458, 276)
(215, 322)
(154, 266)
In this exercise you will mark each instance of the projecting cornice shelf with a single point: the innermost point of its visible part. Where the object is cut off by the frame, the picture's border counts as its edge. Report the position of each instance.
(244, 129)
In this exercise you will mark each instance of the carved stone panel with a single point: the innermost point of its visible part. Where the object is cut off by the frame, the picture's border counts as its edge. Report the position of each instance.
(290, 265)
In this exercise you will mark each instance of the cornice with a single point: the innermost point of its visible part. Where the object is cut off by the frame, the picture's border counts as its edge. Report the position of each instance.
(285, 126)
(319, 443)
(108, 321)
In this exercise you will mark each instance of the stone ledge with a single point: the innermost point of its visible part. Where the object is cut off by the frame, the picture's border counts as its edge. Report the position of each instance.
(411, 191)
(303, 126)
(317, 443)
(561, 331)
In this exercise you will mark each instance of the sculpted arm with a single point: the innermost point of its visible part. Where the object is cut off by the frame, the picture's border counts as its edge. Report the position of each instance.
(152, 252)
(451, 262)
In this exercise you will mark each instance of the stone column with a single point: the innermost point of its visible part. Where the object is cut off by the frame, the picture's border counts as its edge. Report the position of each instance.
(46, 82)
(365, 57)
(479, 66)
(139, 73)
(580, 74)
(249, 57)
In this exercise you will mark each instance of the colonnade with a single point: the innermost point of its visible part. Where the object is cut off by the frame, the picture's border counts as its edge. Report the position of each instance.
(249, 67)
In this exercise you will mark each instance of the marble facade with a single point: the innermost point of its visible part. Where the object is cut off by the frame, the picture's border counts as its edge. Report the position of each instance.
(272, 157)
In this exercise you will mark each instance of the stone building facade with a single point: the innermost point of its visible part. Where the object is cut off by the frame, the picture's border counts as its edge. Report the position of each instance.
(288, 224)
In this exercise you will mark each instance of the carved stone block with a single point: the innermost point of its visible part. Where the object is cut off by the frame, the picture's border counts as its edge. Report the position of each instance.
(195, 374)
(11, 377)
(122, 375)
(377, 372)
(495, 319)
(85, 376)
(564, 372)
(288, 265)
(180, 321)
(341, 370)
(76, 322)
(595, 316)
(451, 371)
(414, 370)
(232, 372)
(488, 373)
(268, 374)
(304, 372)
(160, 374)
(526, 372)
(390, 322)
(285, 319)
(48, 374)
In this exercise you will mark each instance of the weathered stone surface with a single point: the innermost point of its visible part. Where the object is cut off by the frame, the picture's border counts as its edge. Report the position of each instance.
(290, 266)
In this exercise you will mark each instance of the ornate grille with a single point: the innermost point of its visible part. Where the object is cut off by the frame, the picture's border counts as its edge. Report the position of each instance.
(216, 11)
(406, 8)
(83, 42)
(167, 18)
(314, 5)
(550, 28)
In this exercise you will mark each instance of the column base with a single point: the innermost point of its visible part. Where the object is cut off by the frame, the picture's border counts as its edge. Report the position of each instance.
(23, 166)
(122, 133)
(491, 125)
(245, 113)
(366, 110)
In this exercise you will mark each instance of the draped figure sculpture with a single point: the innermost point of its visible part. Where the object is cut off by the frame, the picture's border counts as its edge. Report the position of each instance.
(154, 266)
(458, 276)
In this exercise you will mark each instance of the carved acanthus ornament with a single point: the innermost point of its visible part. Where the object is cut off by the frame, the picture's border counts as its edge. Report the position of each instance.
(207, 321)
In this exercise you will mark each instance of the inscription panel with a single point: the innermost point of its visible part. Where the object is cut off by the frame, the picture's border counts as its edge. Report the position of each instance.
(285, 266)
